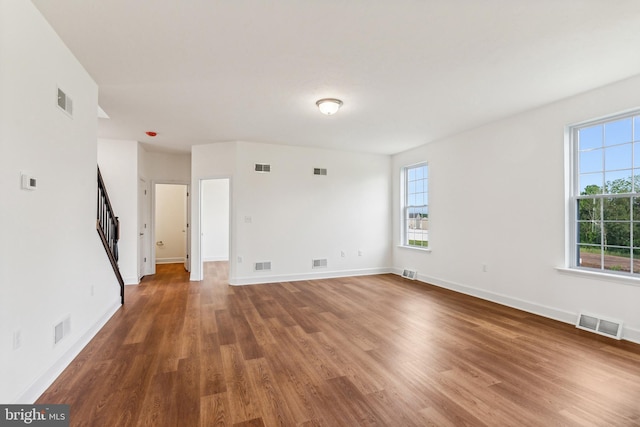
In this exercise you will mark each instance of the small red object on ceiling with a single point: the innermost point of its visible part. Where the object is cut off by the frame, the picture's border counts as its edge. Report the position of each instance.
(151, 133)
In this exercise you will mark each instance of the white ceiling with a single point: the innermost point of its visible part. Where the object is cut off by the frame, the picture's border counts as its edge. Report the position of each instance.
(408, 71)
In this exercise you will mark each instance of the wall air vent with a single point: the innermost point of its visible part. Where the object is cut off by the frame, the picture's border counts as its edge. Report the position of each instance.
(319, 171)
(319, 263)
(65, 103)
(263, 266)
(61, 330)
(599, 325)
(263, 168)
(409, 274)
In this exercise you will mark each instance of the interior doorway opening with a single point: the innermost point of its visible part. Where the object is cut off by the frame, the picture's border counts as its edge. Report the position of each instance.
(171, 224)
(214, 221)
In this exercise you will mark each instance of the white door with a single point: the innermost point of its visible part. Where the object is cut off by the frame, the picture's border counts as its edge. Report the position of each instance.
(143, 228)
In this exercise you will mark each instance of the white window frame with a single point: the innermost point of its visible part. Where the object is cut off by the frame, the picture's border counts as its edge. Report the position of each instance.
(406, 206)
(573, 192)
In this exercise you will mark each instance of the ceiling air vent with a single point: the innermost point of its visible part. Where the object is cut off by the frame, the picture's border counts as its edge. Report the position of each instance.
(263, 168)
(263, 266)
(319, 263)
(409, 274)
(65, 103)
(319, 171)
(599, 325)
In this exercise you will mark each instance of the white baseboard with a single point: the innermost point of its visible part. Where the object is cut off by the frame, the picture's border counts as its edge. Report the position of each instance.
(629, 334)
(215, 258)
(40, 385)
(175, 260)
(131, 280)
(255, 280)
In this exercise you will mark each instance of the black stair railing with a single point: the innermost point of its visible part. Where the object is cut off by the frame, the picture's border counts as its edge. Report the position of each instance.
(108, 228)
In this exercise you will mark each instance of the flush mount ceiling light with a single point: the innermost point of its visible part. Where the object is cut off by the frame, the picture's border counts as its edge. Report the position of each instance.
(329, 106)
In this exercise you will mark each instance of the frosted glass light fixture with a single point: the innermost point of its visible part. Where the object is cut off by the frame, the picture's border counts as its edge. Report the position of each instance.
(329, 106)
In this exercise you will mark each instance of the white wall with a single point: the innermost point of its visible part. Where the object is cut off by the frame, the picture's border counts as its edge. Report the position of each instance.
(118, 161)
(290, 216)
(497, 197)
(166, 167)
(215, 220)
(171, 223)
(52, 264)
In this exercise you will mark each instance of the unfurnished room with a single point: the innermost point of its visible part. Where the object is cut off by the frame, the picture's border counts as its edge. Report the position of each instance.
(336, 213)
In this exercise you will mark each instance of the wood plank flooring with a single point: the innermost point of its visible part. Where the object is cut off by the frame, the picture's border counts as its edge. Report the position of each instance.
(375, 350)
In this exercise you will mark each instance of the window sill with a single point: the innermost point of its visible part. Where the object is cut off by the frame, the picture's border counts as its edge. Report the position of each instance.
(597, 275)
(415, 248)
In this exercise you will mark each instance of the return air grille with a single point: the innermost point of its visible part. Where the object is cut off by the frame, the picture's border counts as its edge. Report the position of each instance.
(263, 266)
(64, 102)
(319, 263)
(596, 324)
(319, 171)
(409, 274)
(263, 168)
(61, 330)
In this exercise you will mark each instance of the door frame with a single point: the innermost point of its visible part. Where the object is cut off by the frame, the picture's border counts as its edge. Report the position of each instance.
(154, 183)
(196, 240)
(144, 212)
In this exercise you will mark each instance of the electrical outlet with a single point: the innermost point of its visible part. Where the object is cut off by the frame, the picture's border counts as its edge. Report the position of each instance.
(342, 254)
(359, 252)
(485, 268)
(239, 260)
(17, 339)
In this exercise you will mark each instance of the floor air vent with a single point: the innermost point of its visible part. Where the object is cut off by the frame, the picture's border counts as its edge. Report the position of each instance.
(607, 327)
(409, 274)
(263, 266)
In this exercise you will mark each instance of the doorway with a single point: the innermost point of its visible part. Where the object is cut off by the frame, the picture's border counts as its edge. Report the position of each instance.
(171, 224)
(214, 220)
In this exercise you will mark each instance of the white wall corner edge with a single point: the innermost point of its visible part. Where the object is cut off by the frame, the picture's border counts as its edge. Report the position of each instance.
(256, 280)
(44, 381)
(628, 334)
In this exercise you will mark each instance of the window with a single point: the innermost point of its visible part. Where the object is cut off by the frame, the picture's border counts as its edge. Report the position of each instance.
(605, 198)
(416, 206)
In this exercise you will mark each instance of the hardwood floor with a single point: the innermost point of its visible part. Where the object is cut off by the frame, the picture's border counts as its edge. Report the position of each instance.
(375, 350)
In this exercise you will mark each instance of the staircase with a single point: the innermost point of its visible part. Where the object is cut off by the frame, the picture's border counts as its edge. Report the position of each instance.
(108, 228)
